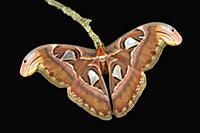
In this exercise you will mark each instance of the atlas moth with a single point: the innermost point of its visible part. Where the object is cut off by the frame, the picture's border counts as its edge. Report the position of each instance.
(80, 69)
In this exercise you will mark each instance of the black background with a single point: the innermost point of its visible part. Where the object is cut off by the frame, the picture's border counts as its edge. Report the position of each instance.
(33, 104)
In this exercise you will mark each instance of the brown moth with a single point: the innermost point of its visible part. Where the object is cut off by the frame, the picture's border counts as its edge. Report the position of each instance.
(80, 69)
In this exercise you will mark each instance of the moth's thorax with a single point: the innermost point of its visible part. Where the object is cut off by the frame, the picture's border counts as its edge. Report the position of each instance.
(102, 56)
(101, 51)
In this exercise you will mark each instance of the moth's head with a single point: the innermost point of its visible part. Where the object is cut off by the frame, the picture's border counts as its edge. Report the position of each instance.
(169, 34)
(30, 63)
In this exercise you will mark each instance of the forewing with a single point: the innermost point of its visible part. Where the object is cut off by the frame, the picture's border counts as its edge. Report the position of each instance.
(141, 47)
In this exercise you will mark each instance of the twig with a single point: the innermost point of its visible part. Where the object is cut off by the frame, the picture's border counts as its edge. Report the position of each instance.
(76, 17)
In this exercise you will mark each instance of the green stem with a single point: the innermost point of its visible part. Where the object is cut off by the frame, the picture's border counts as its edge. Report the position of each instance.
(76, 17)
